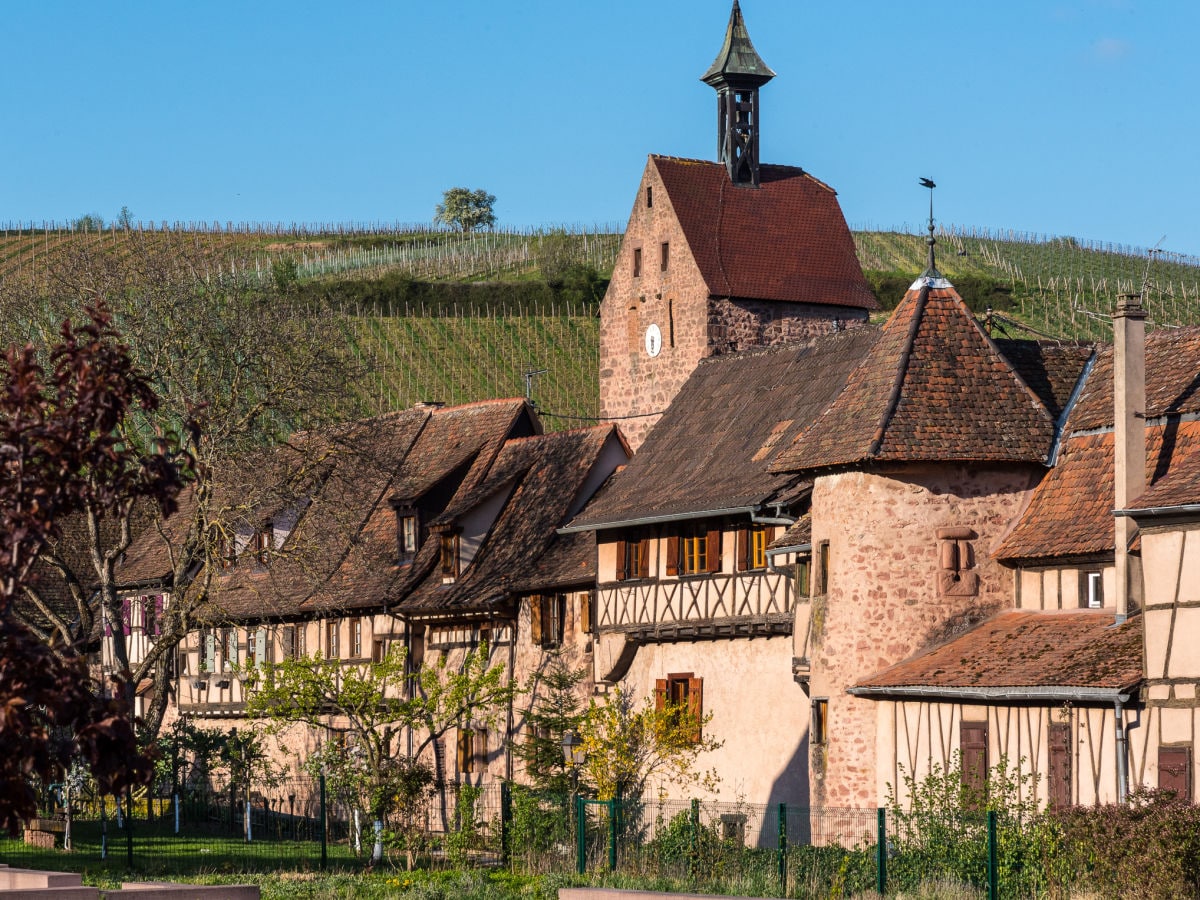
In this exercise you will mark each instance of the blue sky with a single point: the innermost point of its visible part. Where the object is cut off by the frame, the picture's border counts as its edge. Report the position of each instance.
(1065, 116)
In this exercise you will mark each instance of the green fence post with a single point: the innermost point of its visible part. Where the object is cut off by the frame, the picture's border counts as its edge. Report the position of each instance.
(505, 821)
(613, 806)
(993, 872)
(881, 853)
(580, 837)
(129, 827)
(783, 849)
(324, 840)
(695, 830)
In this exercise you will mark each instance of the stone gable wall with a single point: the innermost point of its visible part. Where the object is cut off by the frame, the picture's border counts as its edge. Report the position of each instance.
(735, 325)
(885, 602)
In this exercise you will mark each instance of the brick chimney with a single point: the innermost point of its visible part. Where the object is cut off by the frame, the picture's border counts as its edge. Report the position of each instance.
(1129, 439)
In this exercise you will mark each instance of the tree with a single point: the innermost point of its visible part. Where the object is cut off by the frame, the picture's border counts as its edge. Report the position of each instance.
(466, 210)
(381, 702)
(63, 449)
(557, 710)
(626, 746)
(235, 367)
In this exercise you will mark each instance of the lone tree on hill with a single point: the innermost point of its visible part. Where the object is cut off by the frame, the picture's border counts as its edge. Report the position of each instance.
(466, 210)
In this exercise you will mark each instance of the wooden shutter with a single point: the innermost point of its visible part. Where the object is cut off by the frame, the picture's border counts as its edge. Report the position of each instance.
(696, 704)
(660, 693)
(673, 555)
(974, 745)
(713, 549)
(260, 646)
(622, 574)
(465, 757)
(535, 619)
(481, 749)
(585, 613)
(1175, 771)
(1060, 765)
(210, 652)
(743, 549)
(643, 558)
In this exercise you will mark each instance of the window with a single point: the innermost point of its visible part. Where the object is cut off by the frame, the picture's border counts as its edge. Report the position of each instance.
(408, 533)
(333, 648)
(252, 645)
(956, 556)
(633, 559)
(379, 650)
(819, 730)
(752, 547)
(694, 552)
(358, 638)
(152, 612)
(302, 640)
(585, 612)
(1091, 590)
(973, 743)
(472, 750)
(733, 828)
(1175, 771)
(226, 554)
(637, 262)
(264, 543)
(449, 556)
(289, 642)
(664, 255)
(546, 614)
(682, 692)
(1059, 774)
(649, 197)
(229, 647)
(803, 576)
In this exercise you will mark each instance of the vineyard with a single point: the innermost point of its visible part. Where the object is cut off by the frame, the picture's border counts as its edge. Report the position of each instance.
(459, 342)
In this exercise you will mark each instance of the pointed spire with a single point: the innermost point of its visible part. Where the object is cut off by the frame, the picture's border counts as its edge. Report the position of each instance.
(931, 277)
(738, 64)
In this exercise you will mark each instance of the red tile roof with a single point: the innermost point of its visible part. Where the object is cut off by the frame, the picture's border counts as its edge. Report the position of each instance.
(933, 388)
(1029, 650)
(1070, 512)
(1179, 487)
(786, 240)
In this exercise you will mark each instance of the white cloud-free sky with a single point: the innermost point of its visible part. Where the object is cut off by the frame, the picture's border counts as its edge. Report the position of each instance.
(1071, 117)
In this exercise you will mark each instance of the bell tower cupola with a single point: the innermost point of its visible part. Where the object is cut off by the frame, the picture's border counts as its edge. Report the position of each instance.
(736, 74)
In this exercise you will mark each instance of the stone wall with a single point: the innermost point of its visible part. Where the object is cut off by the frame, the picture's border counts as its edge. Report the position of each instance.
(885, 600)
(735, 325)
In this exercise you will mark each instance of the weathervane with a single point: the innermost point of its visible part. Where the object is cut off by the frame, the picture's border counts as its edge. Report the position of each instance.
(932, 269)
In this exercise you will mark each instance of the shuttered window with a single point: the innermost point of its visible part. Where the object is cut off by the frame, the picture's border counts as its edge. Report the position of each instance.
(819, 731)
(1175, 771)
(682, 691)
(546, 619)
(633, 559)
(472, 750)
(1060, 765)
(974, 745)
(752, 545)
(698, 552)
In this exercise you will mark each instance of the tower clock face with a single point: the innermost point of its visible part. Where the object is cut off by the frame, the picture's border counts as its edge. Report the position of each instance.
(653, 340)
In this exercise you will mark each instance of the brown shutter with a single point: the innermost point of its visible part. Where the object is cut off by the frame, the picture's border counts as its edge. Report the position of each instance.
(660, 693)
(643, 558)
(673, 555)
(464, 750)
(696, 704)
(481, 750)
(535, 618)
(1175, 771)
(743, 549)
(621, 551)
(585, 613)
(714, 549)
(974, 745)
(1060, 765)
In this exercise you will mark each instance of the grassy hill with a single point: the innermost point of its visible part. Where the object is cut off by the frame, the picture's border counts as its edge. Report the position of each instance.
(435, 315)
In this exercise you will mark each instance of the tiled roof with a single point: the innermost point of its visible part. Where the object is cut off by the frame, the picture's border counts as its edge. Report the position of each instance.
(713, 447)
(798, 535)
(1018, 649)
(1172, 380)
(785, 240)
(1050, 368)
(934, 387)
(1070, 512)
(1179, 487)
(522, 552)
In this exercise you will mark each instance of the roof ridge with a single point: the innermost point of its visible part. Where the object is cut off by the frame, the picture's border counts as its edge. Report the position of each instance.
(889, 410)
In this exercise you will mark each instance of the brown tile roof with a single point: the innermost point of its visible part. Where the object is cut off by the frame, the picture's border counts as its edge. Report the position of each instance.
(785, 240)
(714, 446)
(798, 535)
(1025, 650)
(1179, 487)
(933, 388)
(1172, 380)
(1052, 369)
(522, 553)
(1070, 512)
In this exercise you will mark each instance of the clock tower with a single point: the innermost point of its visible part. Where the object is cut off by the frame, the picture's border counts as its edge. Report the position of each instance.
(721, 256)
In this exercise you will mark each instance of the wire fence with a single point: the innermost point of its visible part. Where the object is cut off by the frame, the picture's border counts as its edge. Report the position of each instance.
(753, 849)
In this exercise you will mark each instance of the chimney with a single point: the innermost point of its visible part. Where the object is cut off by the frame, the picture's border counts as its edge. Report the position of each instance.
(1129, 438)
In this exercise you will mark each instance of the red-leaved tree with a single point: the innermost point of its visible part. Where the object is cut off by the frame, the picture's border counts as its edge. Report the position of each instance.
(63, 444)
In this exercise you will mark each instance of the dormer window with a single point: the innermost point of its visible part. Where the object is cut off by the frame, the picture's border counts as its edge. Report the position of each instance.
(264, 543)
(450, 555)
(408, 533)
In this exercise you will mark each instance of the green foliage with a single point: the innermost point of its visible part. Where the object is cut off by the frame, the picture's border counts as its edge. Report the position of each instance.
(1148, 848)
(466, 210)
(88, 222)
(187, 754)
(284, 274)
(542, 828)
(467, 836)
(557, 710)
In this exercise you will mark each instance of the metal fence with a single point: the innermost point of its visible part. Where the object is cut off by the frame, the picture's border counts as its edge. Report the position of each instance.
(776, 850)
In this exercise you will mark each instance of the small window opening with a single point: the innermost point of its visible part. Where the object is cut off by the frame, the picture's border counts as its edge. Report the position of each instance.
(665, 256)
(450, 546)
(822, 585)
(649, 197)
(264, 543)
(333, 649)
(637, 262)
(1091, 590)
